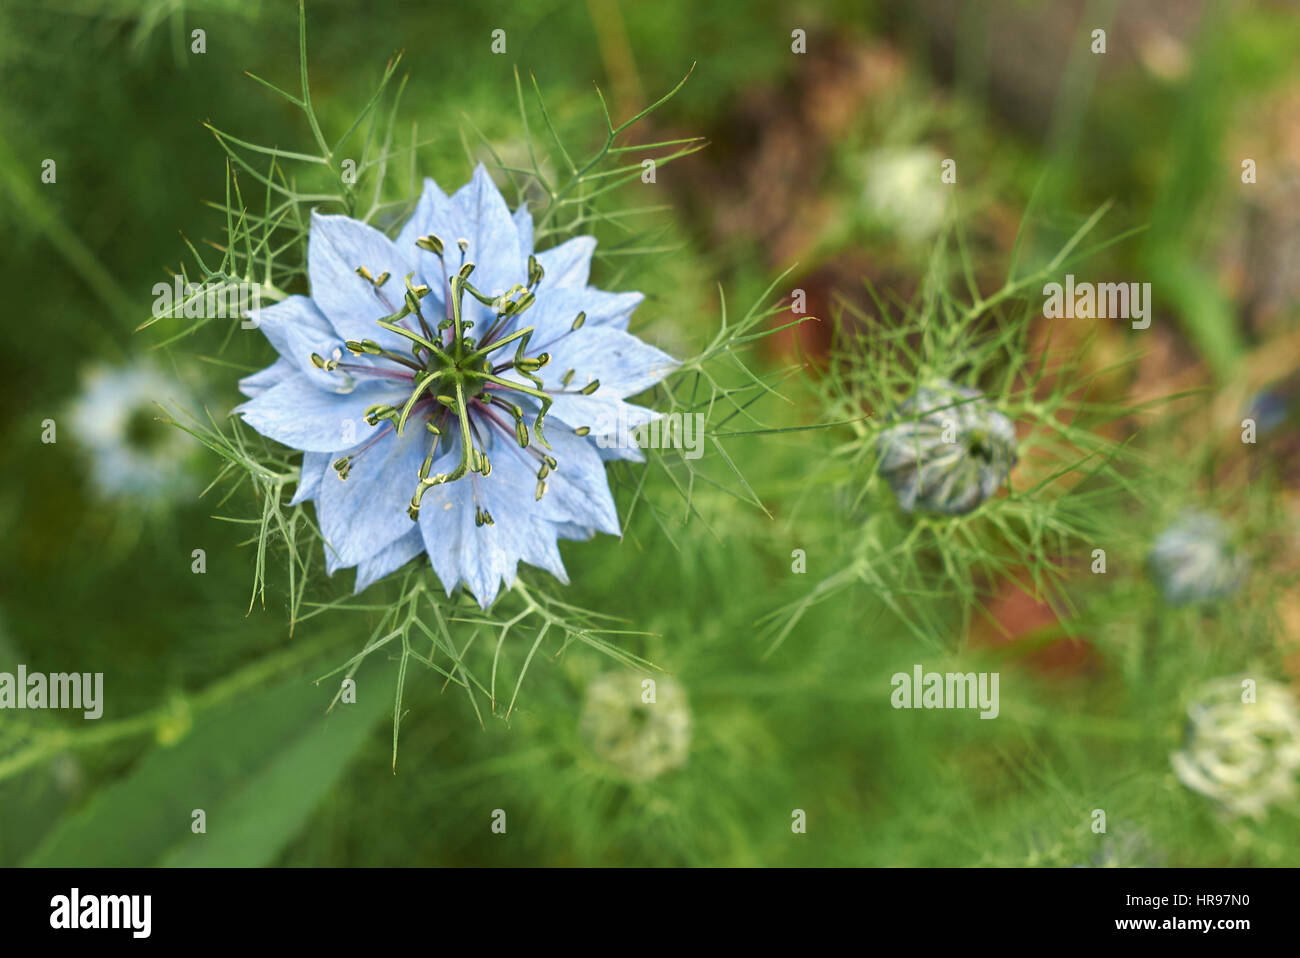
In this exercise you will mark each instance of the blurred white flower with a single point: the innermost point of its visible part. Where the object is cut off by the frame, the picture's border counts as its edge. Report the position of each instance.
(1243, 755)
(131, 453)
(641, 740)
(902, 191)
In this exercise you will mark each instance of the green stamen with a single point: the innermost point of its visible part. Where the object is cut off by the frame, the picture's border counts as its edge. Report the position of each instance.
(466, 371)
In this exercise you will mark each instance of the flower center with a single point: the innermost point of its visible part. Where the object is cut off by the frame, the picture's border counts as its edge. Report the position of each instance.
(457, 386)
(142, 430)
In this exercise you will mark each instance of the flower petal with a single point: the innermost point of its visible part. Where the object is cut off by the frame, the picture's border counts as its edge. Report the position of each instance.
(566, 266)
(296, 328)
(365, 512)
(624, 364)
(433, 214)
(554, 312)
(259, 382)
(578, 489)
(336, 246)
(455, 551)
(524, 224)
(481, 217)
(296, 413)
(389, 559)
(314, 466)
(571, 530)
(486, 557)
(612, 422)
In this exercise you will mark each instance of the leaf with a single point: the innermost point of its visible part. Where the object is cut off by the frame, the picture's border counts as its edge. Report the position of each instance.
(257, 766)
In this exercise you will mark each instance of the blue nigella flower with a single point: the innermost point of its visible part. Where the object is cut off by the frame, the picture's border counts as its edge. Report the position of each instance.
(947, 451)
(1192, 560)
(115, 419)
(464, 426)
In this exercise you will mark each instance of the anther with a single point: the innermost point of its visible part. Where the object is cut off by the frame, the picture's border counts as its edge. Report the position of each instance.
(430, 243)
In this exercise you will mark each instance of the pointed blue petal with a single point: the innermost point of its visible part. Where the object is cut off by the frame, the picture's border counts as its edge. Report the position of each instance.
(552, 315)
(314, 466)
(455, 552)
(486, 557)
(294, 412)
(482, 218)
(365, 512)
(336, 246)
(259, 382)
(524, 224)
(433, 214)
(430, 210)
(566, 266)
(389, 559)
(296, 328)
(612, 422)
(624, 364)
(578, 489)
(571, 530)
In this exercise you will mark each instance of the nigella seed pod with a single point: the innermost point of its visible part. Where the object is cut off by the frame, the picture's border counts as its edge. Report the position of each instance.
(947, 451)
(638, 735)
(1242, 748)
(1192, 560)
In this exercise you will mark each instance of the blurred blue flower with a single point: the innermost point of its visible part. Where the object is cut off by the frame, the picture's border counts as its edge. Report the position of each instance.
(1193, 562)
(947, 451)
(115, 418)
(487, 405)
(1269, 408)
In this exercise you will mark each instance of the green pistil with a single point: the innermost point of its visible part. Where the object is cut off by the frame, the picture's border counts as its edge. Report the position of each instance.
(423, 382)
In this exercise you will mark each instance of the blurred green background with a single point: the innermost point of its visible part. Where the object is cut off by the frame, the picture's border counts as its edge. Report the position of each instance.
(812, 161)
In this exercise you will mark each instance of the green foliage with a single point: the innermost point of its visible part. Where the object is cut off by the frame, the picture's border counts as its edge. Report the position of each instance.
(235, 706)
